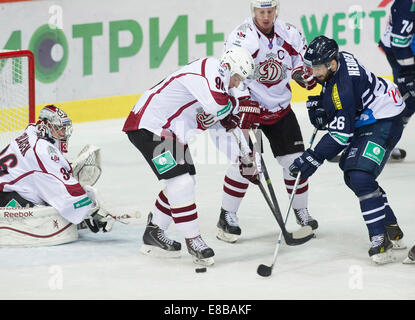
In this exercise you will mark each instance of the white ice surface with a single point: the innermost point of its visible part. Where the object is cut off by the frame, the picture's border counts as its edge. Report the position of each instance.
(334, 265)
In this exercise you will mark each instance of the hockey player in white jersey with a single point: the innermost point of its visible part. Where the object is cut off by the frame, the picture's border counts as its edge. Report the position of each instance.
(277, 48)
(34, 171)
(363, 115)
(187, 102)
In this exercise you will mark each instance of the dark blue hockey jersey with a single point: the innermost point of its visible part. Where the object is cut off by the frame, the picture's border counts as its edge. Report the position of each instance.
(353, 98)
(400, 31)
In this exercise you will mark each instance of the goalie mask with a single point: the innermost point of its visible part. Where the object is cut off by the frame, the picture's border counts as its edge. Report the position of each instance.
(240, 62)
(262, 4)
(55, 126)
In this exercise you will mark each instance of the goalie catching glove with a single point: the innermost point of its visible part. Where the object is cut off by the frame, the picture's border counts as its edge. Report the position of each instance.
(99, 218)
(86, 167)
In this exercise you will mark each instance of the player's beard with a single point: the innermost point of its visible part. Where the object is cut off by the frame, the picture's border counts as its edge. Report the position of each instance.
(327, 78)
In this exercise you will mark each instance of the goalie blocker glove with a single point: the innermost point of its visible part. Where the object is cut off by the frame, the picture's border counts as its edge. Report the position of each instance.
(307, 164)
(99, 220)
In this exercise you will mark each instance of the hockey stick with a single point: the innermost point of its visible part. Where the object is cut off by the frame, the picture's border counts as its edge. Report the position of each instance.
(127, 217)
(301, 236)
(124, 217)
(264, 270)
(298, 237)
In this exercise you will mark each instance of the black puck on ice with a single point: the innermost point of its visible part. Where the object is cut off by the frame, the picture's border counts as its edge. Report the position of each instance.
(199, 270)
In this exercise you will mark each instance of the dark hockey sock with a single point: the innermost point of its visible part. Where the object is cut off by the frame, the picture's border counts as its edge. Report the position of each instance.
(390, 217)
(372, 203)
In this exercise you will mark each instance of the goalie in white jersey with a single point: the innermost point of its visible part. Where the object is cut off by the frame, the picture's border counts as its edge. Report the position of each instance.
(192, 99)
(34, 171)
(277, 49)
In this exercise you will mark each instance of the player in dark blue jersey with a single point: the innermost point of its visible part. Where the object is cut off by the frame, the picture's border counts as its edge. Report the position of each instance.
(396, 43)
(363, 116)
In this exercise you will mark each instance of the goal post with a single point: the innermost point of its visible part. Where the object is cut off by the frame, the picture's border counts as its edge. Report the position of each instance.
(17, 93)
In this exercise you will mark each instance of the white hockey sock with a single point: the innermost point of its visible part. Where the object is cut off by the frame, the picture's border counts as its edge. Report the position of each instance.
(300, 199)
(162, 212)
(181, 195)
(234, 189)
(301, 196)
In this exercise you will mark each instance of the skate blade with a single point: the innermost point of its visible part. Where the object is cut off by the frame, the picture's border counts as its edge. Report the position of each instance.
(398, 244)
(227, 237)
(207, 262)
(158, 252)
(408, 261)
(383, 258)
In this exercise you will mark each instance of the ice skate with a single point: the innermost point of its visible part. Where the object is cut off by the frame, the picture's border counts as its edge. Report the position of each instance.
(228, 228)
(304, 218)
(395, 235)
(397, 155)
(200, 251)
(410, 259)
(156, 243)
(381, 249)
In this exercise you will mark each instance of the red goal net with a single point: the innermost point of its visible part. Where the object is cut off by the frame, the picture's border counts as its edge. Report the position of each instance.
(17, 93)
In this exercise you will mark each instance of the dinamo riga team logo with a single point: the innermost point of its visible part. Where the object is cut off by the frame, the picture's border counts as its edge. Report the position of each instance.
(270, 72)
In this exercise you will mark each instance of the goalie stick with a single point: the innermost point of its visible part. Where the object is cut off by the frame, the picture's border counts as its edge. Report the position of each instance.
(126, 217)
(299, 237)
(121, 216)
(264, 270)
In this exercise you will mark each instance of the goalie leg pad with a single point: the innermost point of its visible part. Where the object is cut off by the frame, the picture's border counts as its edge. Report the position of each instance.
(33, 227)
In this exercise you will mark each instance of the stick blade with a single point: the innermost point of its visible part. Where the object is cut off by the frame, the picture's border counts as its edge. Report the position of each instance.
(264, 271)
(299, 237)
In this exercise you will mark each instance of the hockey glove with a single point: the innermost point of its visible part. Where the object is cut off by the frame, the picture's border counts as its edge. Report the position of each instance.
(249, 168)
(406, 82)
(307, 164)
(230, 122)
(304, 77)
(99, 220)
(316, 112)
(250, 112)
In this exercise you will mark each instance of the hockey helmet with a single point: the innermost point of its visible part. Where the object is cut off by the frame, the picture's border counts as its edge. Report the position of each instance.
(240, 62)
(265, 4)
(237, 60)
(55, 126)
(321, 51)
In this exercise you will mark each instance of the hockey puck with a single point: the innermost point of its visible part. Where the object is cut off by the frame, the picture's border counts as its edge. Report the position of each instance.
(200, 270)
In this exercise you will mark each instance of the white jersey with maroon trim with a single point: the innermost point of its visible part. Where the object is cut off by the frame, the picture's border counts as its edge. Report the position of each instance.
(37, 171)
(186, 102)
(275, 60)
